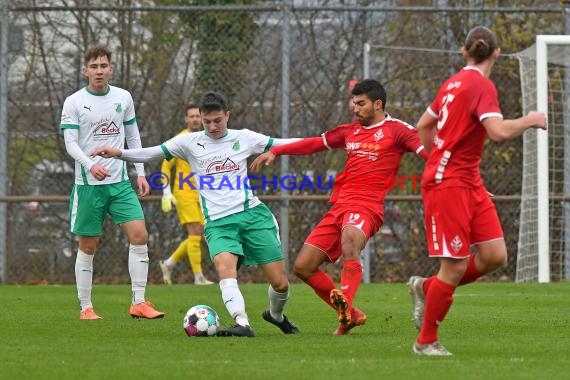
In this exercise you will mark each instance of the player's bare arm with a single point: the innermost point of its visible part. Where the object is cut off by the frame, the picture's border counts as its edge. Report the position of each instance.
(501, 130)
(426, 126)
(266, 158)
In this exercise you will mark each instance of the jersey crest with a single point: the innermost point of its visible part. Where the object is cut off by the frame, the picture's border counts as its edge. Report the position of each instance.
(378, 135)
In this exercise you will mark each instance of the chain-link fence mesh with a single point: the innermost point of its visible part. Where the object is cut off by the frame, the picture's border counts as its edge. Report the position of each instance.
(167, 59)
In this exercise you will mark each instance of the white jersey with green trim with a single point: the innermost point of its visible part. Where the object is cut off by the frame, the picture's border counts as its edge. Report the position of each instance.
(100, 119)
(220, 167)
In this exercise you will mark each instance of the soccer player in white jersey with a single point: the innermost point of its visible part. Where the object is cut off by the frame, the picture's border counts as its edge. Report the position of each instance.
(239, 228)
(104, 114)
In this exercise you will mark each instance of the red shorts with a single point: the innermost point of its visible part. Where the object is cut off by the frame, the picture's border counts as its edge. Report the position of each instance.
(326, 235)
(456, 218)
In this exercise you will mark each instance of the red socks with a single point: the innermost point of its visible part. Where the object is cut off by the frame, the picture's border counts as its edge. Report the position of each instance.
(322, 284)
(350, 278)
(439, 297)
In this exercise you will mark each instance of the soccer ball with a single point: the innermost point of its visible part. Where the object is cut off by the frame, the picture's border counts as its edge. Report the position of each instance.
(201, 320)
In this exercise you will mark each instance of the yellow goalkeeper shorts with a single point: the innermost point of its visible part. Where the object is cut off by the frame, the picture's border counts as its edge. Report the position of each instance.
(188, 210)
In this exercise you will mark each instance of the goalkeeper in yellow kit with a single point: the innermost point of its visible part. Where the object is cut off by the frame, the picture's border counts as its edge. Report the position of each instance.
(187, 207)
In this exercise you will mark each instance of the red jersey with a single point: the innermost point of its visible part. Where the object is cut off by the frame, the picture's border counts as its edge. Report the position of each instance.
(462, 103)
(374, 155)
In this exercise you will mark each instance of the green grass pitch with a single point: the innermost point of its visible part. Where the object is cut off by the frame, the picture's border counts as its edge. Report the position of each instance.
(495, 330)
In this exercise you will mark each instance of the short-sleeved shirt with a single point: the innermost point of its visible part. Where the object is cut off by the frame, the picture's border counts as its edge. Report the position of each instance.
(100, 119)
(374, 156)
(221, 168)
(462, 103)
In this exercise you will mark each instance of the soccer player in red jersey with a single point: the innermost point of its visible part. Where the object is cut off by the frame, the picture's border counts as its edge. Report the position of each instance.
(375, 143)
(459, 212)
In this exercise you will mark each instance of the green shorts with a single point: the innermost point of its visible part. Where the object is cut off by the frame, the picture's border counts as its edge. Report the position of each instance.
(89, 204)
(252, 234)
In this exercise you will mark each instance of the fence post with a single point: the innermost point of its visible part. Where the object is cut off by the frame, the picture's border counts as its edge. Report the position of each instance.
(3, 135)
(566, 113)
(285, 57)
(366, 60)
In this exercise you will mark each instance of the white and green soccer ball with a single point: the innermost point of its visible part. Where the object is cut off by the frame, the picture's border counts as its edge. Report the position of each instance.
(201, 320)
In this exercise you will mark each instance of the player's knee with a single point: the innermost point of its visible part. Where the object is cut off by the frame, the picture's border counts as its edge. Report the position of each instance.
(499, 260)
(139, 237)
(301, 270)
(88, 245)
(350, 251)
(90, 250)
(281, 285)
(495, 261)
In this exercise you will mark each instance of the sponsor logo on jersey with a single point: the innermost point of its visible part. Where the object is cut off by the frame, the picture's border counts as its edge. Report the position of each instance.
(367, 149)
(104, 128)
(87, 108)
(353, 145)
(217, 167)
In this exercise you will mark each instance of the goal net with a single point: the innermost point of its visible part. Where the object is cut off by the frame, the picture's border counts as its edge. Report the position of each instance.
(544, 228)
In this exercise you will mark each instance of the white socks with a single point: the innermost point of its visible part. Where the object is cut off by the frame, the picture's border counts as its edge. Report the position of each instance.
(170, 263)
(138, 269)
(84, 278)
(277, 303)
(233, 300)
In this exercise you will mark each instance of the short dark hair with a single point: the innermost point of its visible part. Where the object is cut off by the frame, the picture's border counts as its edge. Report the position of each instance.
(95, 52)
(190, 106)
(371, 88)
(480, 43)
(213, 101)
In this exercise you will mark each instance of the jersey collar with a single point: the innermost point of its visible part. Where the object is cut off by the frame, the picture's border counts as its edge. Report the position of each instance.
(473, 68)
(219, 138)
(98, 93)
(387, 117)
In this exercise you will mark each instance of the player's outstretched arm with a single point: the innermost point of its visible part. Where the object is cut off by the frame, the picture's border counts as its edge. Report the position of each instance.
(502, 130)
(131, 155)
(106, 152)
(307, 145)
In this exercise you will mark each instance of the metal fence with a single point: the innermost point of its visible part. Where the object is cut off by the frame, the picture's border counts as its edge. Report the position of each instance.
(285, 67)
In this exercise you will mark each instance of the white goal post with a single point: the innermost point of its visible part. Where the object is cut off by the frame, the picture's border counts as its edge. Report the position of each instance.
(544, 210)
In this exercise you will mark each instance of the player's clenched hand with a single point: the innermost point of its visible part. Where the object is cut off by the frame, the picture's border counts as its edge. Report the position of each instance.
(106, 151)
(537, 119)
(99, 172)
(266, 158)
(144, 188)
